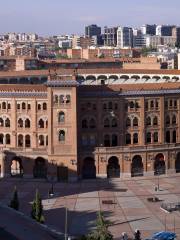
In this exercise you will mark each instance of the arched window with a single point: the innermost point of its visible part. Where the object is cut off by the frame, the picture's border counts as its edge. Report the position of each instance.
(167, 120)
(46, 140)
(104, 106)
(114, 122)
(135, 122)
(41, 123)
(61, 136)
(4, 105)
(29, 106)
(148, 121)
(39, 106)
(135, 138)
(84, 140)
(9, 106)
(110, 106)
(114, 140)
(156, 138)
(84, 123)
(107, 141)
(168, 137)
(8, 139)
(128, 138)
(152, 104)
(157, 104)
(61, 117)
(155, 121)
(92, 140)
(173, 119)
(41, 140)
(20, 140)
(174, 136)
(128, 122)
(1, 138)
(68, 98)
(7, 122)
(61, 99)
(44, 106)
(55, 99)
(148, 137)
(92, 123)
(116, 106)
(1, 122)
(27, 141)
(23, 106)
(106, 123)
(20, 123)
(27, 123)
(131, 105)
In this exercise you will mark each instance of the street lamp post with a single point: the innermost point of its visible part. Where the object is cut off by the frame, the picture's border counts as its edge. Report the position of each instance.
(66, 221)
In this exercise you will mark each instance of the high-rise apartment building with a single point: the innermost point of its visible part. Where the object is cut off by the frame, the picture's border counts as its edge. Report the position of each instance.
(92, 30)
(148, 29)
(124, 37)
(110, 36)
(164, 30)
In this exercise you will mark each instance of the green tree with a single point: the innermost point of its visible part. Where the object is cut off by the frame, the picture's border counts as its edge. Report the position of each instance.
(15, 201)
(101, 232)
(37, 208)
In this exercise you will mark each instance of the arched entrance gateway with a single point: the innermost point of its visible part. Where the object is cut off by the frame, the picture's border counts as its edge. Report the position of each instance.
(137, 168)
(40, 169)
(89, 168)
(16, 167)
(159, 165)
(177, 163)
(113, 168)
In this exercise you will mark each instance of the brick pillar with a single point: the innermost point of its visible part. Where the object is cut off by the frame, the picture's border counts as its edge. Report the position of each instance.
(161, 127)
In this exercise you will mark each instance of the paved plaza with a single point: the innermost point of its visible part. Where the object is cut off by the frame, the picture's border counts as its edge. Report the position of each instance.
(123, 202)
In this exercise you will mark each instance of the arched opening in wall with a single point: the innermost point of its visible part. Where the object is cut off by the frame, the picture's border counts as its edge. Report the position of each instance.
(168, 137)
(34, 80)
(27, 141)
(146, 77)
(80, 78)
(137, 168)
(7, 122)
(113, 168)
(156, 78)
(1, 122)
(177, 163)
(27, 123)
(114, 140)
(16, 167)
(107, 142)
(40, 169)
(23, 81)
(1, 138)
(41, 123)
(3, 81)
(13, 81)
(20, 123)
(135, 77)
(91, 77)
(89, 168)
(42, 80)
(125, 77)
(113, 77)
(20, 140)
(159, 165)
(61, 117)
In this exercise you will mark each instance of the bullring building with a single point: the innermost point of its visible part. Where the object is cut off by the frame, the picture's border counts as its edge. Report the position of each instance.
(113, 124)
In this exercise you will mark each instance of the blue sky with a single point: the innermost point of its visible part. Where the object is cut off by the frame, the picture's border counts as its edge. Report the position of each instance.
(48, 17)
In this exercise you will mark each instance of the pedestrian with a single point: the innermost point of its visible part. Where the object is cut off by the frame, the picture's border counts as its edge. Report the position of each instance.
(137, 235)
(124, 236)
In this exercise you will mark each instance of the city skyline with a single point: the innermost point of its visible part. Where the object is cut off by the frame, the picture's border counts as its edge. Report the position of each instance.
(46, 18)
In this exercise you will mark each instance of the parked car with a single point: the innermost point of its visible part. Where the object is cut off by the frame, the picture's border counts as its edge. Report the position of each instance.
(163, 236)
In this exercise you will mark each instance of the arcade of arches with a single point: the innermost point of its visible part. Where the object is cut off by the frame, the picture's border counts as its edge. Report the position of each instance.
(113, 167)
